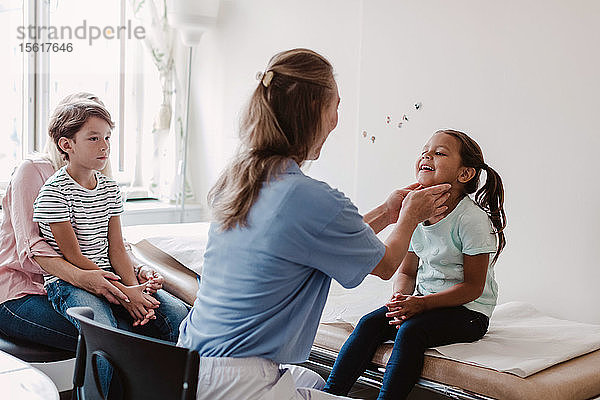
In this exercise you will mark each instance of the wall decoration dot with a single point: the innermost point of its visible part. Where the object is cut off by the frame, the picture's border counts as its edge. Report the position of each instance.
(364, 134)
(399, 124)
(372, 139)
(388, 119)
(405, 118)
(418, 105)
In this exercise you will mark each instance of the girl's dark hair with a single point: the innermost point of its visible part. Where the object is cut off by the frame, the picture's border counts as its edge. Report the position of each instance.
(282, 121)
(490, 197)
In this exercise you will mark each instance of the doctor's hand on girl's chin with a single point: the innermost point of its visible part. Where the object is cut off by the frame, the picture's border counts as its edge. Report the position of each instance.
(426, 203)
(394, 201)
(141, 304)
(402, 307)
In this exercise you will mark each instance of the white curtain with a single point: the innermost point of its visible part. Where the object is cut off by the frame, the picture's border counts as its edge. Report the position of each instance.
(167, 53)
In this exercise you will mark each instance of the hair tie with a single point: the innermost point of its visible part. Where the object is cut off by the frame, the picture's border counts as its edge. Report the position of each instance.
(265, 78)
(484, 166)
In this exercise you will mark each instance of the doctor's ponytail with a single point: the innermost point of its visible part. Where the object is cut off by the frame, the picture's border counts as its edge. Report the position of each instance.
(281, 122)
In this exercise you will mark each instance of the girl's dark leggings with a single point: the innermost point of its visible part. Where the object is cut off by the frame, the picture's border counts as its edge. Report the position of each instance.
(430, 329)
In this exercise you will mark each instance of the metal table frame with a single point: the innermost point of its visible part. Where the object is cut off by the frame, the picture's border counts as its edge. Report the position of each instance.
(323, 359)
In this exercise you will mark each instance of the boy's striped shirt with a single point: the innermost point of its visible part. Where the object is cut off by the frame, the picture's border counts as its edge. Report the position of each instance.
(88, 210)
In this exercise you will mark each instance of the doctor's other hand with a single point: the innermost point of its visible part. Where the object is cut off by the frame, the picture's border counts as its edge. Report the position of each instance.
(394, 202)
(422, 204)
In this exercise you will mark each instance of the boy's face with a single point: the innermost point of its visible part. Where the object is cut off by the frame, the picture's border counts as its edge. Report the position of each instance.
(440, 161)
(90, 147)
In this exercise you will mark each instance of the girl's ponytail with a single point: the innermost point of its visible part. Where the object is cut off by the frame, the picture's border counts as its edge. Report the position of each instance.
(490, 197)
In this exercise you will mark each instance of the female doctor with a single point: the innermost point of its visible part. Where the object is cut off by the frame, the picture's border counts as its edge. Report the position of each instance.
(279, 237)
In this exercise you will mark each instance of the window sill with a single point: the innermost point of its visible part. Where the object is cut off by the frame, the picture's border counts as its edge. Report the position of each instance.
(144, 212)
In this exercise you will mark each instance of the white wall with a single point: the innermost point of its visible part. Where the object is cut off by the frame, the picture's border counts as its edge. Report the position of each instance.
(523, 78)
(249, 32)
(520, 76)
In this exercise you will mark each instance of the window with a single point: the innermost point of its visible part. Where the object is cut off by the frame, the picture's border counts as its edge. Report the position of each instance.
(11, 87)
(86, 46)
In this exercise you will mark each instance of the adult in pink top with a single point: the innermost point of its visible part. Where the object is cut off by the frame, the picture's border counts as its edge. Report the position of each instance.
(25, 312)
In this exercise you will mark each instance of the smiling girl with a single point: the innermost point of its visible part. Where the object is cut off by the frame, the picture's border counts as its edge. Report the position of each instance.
(444, 290)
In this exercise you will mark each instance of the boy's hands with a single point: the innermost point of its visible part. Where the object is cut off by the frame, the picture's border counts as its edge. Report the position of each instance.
(141, 305)
(152, 279)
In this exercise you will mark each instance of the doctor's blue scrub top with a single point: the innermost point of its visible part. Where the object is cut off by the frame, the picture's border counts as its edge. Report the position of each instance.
(263, 287)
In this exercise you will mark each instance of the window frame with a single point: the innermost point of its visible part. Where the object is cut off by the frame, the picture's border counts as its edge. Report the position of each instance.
(36, 95)
(40, 84)
(28, 119)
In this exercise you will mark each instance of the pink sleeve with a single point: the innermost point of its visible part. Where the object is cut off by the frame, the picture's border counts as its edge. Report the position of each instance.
(25, 186)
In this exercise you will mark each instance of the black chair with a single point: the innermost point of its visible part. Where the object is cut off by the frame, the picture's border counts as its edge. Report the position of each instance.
(32, 352)
(145, 368)
(57, 364)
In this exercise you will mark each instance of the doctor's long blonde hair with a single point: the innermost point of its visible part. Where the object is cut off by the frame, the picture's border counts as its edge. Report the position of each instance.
(282, 121)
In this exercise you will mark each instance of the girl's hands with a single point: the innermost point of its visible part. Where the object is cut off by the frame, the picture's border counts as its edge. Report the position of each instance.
(401, 307)
(392, 303)
(152, 279)
(141, 305)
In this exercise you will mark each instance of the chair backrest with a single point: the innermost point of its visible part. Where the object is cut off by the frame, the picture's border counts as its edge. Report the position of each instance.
(146, 368)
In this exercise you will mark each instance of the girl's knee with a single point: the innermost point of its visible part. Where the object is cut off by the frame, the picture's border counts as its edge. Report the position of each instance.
(375, 319)
(410, 332)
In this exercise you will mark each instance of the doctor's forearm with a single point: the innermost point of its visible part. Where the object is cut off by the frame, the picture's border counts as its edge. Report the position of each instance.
(377, 218)
(396, 247)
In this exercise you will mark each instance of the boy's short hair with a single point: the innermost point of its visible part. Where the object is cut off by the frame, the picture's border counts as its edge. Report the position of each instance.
(79, 96)
(69, 117)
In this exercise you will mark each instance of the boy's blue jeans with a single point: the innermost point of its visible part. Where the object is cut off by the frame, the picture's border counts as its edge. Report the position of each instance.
(432, 328)
(169, 314)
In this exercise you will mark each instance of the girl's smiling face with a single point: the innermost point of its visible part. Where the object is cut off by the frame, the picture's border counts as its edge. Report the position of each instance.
(440, 162)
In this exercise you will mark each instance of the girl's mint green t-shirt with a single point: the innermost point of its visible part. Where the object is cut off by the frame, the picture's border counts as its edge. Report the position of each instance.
(441, 246)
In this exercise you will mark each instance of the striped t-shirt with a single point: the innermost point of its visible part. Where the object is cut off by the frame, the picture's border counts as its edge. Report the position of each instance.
(88, 210)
